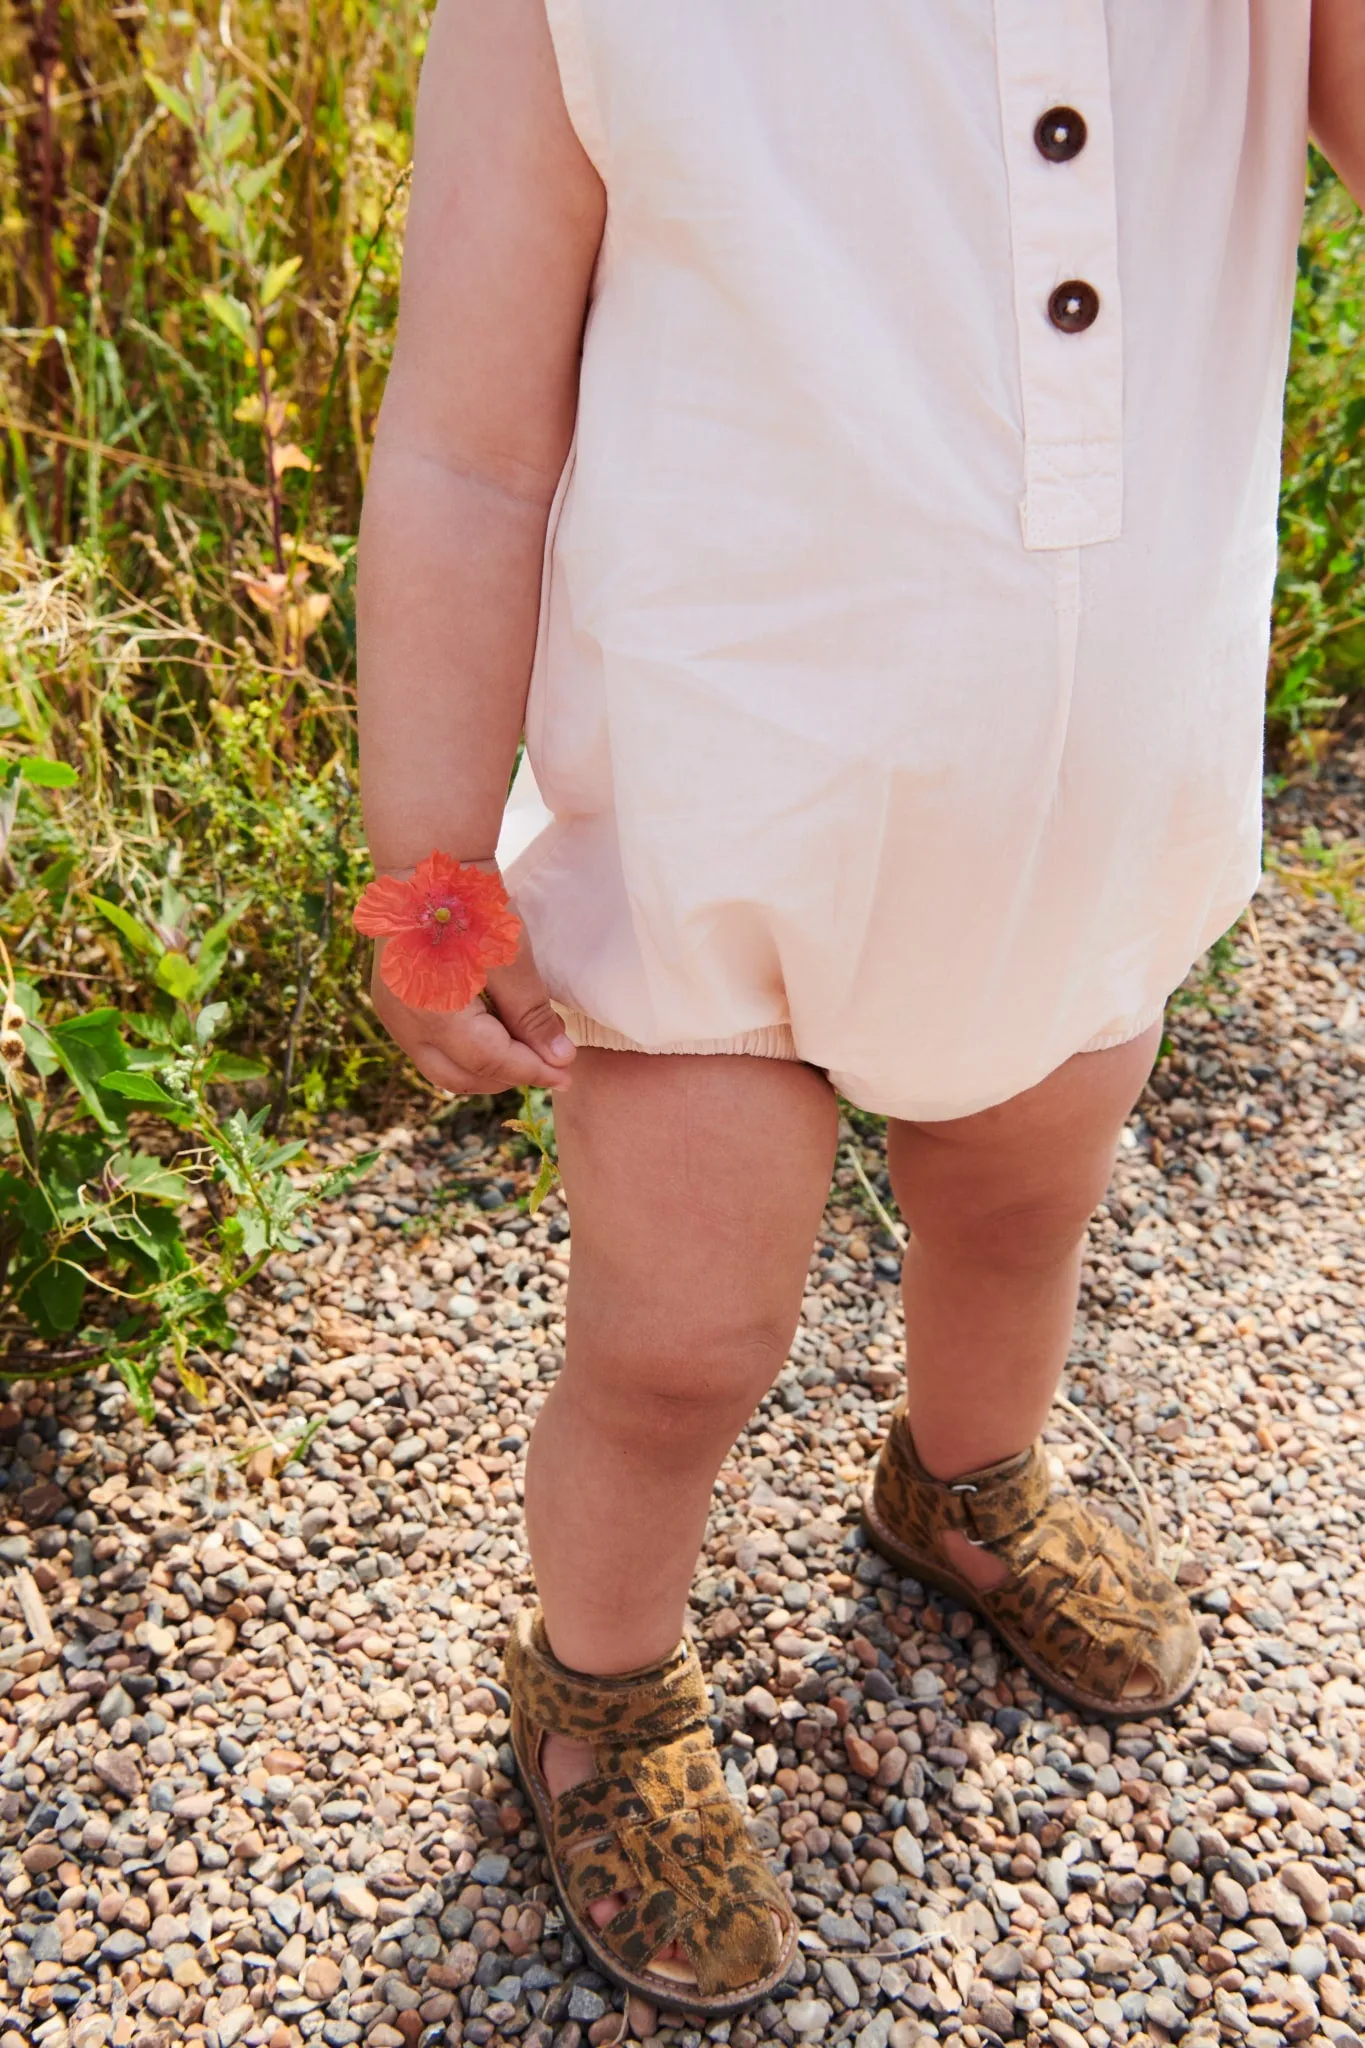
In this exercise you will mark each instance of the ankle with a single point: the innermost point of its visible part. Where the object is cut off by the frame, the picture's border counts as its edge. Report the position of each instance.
(585, 1650)
(947, 1451)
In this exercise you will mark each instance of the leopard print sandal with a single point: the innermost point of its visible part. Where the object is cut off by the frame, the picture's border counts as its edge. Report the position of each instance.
(656, 1825)
(1083, 1606)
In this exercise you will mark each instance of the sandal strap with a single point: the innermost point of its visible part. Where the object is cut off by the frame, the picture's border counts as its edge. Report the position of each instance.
(1091, 1605)
(656, 1824)
(990, 1507)
(1091, 1602)
(640, 1707)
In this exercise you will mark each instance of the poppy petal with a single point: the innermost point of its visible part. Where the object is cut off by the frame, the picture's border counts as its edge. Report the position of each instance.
(388, 907)
(427, 978)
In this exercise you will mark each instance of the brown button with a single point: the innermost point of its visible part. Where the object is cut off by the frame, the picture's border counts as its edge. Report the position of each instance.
(1060, 134)
(1074, 306)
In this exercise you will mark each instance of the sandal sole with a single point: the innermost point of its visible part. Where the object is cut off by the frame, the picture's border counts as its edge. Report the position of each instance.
(961, 1590)
(660, 1991)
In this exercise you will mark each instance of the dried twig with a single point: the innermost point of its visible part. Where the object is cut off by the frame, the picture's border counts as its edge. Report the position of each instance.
(1128, 1471)
(34, 1609)
(884, 1216)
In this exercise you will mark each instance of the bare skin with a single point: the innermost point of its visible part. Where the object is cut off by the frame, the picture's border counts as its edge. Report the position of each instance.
(1336, 89)
(503, 232)
(697, 1184)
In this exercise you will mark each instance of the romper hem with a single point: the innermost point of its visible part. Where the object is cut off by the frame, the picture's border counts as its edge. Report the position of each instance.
(778, 1042)
(769, 1041)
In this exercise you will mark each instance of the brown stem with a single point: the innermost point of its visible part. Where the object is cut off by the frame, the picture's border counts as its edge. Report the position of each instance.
(268, 436)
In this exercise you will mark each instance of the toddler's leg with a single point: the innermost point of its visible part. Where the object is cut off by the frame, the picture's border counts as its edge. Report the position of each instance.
(697, 1186)
(997, 1206)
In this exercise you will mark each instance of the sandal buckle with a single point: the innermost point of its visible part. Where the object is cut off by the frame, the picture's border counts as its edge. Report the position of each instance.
(966, 1486)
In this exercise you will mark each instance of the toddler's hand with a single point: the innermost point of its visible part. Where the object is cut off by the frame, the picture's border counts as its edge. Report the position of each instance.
(517, 1043)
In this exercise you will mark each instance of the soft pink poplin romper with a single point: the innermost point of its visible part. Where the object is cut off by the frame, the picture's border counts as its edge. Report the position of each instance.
(899, 696)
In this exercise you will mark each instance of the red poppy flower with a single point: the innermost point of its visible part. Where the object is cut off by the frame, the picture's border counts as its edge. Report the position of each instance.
(447, 925)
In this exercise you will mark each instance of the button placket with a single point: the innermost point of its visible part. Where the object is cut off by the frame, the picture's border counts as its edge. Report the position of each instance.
(1057, 121)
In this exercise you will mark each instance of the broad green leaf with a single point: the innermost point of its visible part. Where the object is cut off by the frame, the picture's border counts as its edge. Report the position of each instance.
(230, 313)
(9, 718)
(280, 1155)
(146, 1177)
(53, 1298)
(165, 1235)
(167, 96)
(148, 1239)
(218, 221)
(150, 1059)
(176, 975)
(278, 278)
(41, 1056)
(90, 1048)
(45, 774)
(127, 926)
(213, 947)
(97, 1034)
(255, 1239)
(153, 1030)
(20, 1200)
(141, 1088)
(209, 1019)
(232, 1066)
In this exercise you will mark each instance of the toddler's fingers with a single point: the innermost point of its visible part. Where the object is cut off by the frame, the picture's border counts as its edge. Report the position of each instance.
(521, 1000)
(433, 1065)
(480, 1046)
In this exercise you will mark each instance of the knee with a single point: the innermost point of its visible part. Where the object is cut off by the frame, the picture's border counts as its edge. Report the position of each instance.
(676, 1401)
(1029, 1234)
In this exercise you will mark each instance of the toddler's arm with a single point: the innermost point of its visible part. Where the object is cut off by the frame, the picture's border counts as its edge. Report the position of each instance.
(1337, 90)
(503, 230)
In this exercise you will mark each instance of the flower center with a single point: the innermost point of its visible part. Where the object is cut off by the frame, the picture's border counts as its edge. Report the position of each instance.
(444, 920)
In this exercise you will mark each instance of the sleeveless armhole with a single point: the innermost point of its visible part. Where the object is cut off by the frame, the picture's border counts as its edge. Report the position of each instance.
(569, 33)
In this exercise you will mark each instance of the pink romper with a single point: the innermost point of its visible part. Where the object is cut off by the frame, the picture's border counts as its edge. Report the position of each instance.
(899, 693)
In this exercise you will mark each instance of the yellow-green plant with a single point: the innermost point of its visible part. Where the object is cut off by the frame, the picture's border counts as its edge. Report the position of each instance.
(98, 1256)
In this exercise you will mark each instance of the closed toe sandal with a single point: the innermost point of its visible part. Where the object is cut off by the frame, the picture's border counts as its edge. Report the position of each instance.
(1083, 1606)
(655, 1826)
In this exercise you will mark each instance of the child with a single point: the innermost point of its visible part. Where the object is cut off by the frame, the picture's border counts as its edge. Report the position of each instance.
(845, 440)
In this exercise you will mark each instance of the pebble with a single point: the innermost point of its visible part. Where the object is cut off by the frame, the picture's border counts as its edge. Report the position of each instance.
(809, 2017)
(1003, 1964)
(273, 1742)
(842, 1983)
(586, 2005)
(1310, 1887)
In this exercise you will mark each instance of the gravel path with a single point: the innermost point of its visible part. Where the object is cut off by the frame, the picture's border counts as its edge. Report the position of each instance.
(254, 1777)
